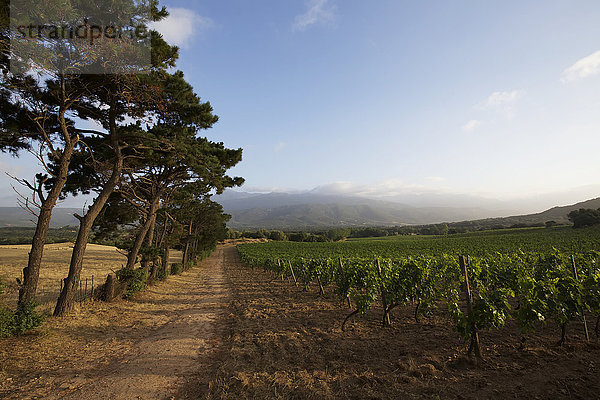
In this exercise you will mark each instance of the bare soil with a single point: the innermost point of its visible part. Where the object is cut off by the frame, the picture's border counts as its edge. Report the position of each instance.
(284, 343)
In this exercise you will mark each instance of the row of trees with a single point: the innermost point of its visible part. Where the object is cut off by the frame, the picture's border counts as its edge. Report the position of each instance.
(131, 139)
(332, 235)
(337, 234)
(580, 218)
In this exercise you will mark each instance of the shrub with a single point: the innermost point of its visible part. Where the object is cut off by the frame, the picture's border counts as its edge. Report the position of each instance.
(176, 269)
(26, 318)
(6, 322)
(20, 321)
(161, 274)
(136, 280)
(204, 254)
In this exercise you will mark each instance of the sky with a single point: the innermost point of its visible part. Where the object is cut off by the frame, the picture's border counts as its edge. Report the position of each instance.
(495, 98)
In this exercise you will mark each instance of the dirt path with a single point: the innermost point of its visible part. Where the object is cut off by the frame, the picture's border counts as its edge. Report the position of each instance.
(154, 347)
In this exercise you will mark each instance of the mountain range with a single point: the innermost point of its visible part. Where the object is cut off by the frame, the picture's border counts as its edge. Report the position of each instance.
(309, 210)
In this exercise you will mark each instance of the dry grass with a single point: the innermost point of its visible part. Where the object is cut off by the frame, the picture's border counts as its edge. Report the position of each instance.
(99, 261)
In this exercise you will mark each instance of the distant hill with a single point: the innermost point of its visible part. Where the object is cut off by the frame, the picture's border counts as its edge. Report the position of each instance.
(309, 210)
(288, 211)
(337, 215)
(557, 214)
(17, 217)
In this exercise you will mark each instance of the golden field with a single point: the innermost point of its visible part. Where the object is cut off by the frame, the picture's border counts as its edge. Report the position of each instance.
(99, 261)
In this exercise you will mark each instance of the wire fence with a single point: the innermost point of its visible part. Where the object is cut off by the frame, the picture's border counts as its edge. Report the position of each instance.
(48, 290)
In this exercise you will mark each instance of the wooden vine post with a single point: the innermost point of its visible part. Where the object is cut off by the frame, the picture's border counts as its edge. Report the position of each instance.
(279, 268)
(386, 314)
(587, 334)
(474, 334)
(345, 281)
(293, 274)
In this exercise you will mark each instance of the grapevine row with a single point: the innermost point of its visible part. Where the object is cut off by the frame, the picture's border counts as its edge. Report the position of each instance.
(528, 287)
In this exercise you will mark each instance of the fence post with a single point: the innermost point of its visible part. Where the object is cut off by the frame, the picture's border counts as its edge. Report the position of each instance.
(587, 334)
(109, 288)
(474, 334)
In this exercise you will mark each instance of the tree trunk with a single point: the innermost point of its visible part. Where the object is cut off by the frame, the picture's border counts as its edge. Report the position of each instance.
(67, 295)
(194, 252)
(141, 236)
(163, 243)
(31, 273)
(161, 240)
(165, 260)
(186, 250)
(65, 301)
(150, 242)
(185, 253)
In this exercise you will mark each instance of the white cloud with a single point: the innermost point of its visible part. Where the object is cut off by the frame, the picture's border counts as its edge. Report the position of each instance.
(497, 99)
(382, 189)
(181, 25)
(501, 103)
(319, 12)
(280, 146)
(266, 189)
(587, 66)
(340, 187)
(434, 179)
(471, 125)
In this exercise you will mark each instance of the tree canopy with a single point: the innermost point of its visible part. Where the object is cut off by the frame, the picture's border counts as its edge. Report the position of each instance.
(584, 217)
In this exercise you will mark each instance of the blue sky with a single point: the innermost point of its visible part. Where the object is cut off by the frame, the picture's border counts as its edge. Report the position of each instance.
(493, 98)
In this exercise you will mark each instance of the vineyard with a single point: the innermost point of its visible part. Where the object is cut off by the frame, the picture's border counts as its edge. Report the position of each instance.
(481, 280)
